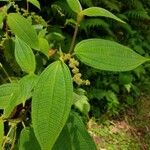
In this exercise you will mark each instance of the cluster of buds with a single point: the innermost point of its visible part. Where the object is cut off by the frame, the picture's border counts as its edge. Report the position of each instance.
(74, 65)
(25, 12)
(33, 17)
(38, 19)
(16, 7)
(65, 57)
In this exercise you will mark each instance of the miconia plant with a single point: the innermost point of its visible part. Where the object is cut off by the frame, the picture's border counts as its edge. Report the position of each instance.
(37, 105)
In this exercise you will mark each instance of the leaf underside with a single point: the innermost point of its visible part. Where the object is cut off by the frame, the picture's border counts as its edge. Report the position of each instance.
(108, 55)
(75, 5)
(51, 103)
(24, 56)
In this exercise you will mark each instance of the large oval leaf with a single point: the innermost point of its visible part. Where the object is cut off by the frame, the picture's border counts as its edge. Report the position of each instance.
(23, 29)
(28, 140)
(99, 12)
(24, 56)
(75, 5)
(51, 103)
(108, 55)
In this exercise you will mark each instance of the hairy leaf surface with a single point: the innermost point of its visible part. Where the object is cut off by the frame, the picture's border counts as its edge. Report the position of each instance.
(108, 55)
(24, 56)
(51, 103)
(99, 12)
(75, 5)
(23, 29)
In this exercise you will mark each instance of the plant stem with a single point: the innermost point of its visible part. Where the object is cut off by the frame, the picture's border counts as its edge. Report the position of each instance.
(23, 124)
(79, 19)
(14, 140)
(5, 141)
(27, 6)
(74, 37)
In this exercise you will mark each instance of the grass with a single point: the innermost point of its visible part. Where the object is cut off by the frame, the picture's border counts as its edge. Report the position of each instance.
(129, 132)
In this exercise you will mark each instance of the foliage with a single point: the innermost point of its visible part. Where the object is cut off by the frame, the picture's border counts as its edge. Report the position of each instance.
(127, 131)
(40, 101)
(114, 136)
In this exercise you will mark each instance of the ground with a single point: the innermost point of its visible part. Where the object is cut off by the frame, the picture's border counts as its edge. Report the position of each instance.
(130, 132)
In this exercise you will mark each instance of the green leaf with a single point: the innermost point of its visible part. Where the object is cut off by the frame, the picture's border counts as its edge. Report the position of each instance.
(96, 93)
(81, 139)
(44, 46)
(113, 102)
(24, 56)
(42, 33)
(28, 140)
(51, 103)
(55, 36)
(81, 103)
(99, 12)
(128, 87)
(115, 87)
(27, 84)
(75, 5)
(22, 28)
(10, 97)
(13, 94)
(1, 133)
(111, 97)
(125, 78)
(6, 92)
(64, 140)
(14, 100)
(35, 3)
(108, 55)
